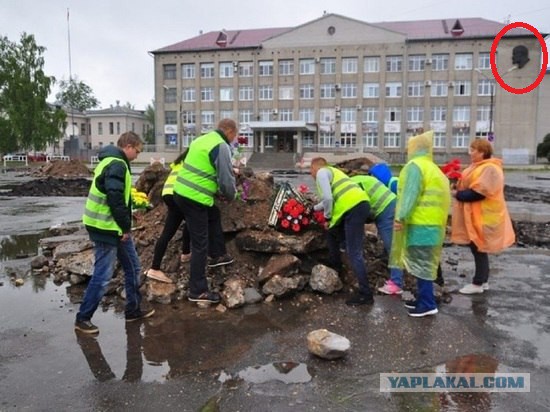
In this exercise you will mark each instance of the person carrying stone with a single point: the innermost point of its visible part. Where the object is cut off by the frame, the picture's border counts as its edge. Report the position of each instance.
(346, 208)
(108, 219)
(423, 201)
(207, 172)
(382, 208)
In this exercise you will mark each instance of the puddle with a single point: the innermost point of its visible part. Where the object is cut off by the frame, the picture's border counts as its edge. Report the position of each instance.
(19, 246)
(286, 372)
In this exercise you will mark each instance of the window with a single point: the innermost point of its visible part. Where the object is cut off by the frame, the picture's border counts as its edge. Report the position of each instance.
(170, 117)
(327, 115)
(100, 128)
(461, 114)
(439, 88)
(392, 114)
(169, 71)
(188, 94)
(307, 91)
(328, 65)
(307, 66)
(440, 62)
(286, 93)
(393, 89)
(484, 113)
(463, 88)
(392, 139)
(349, 65)
(461, 138)
(348, 115)
(349, 90)
(265, 92)
(246, 93)
(439, 114)
(188, 71)
(245, 116)
(371, 90)
(207, 94)
(226, 114)
(246, 69)
(170, 95)
(286, 67)
(188, 118)
(415, 89)
(117, 127)
(265, 115)
(394, 63)
(415, 114)
(439, 140)
(286, 115)
(265, 68)
(463, 61)
(226, 94)
(207, 70)
(485, 87)
(307, 115)
(370, 137)
(484, 61)
(371, 64)
(207, 119)
(327, 91)
(417, 62)
(326, 138)
(370, 114)
(226, 70)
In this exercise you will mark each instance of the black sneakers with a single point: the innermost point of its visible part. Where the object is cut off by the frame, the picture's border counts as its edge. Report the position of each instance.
(86, 326)
(208, 297)
(410, 303)
(360, 299)
(140, 314)
(220, 261)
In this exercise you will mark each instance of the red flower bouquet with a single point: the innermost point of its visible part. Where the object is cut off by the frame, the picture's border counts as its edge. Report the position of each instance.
(293, 215)
(452, 170)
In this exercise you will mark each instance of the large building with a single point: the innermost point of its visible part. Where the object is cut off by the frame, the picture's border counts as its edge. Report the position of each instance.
(337, 84)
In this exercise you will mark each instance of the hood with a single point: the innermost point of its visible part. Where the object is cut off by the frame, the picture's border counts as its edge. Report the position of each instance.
(421, 145)
(111, 151)
(382, 172)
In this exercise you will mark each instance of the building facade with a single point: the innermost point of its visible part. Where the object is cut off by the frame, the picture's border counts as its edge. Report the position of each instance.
(338, 84)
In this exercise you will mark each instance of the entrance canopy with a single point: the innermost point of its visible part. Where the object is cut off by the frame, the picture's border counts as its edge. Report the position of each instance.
(295, 125)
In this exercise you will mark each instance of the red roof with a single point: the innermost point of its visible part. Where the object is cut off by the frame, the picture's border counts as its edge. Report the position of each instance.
(414, 30)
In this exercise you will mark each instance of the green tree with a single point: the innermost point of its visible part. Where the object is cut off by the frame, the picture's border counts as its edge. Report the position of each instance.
(76, 95)
(543, 148)
(150, 116)
(27, 122)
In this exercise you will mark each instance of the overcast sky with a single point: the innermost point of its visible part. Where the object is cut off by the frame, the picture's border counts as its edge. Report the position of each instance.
(110, 39)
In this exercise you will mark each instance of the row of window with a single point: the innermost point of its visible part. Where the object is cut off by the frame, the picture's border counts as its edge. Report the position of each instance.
(438, 88)
(327, 65)
(345, 115)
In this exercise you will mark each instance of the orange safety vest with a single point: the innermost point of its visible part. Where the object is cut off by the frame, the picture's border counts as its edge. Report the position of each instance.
(486, 222)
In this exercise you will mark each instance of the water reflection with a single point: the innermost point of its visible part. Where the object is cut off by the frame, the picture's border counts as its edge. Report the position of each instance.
(286, 372)
(19, 246)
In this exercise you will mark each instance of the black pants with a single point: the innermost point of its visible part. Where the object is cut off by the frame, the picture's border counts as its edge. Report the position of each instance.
(174, 217)
(481, 260)
(206, 234)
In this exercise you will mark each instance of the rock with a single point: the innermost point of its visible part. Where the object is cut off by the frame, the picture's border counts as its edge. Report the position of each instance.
(326, 344)
(284, 265)
(271, 241)
(19, 282)
(281, 286)
(77, 279)
(251, 296)
(159, 292)
(233, 292)
(324, 279)
(39, 262)
(79, 263)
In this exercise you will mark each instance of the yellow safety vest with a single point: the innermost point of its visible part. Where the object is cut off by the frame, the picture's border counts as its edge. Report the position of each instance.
(97, 212)
(168, 188)
(378, 194)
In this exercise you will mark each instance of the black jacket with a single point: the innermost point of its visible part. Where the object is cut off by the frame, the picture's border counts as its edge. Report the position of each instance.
(112, 182)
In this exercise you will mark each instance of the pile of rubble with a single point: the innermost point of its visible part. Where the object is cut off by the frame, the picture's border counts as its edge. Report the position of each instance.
(268, 264)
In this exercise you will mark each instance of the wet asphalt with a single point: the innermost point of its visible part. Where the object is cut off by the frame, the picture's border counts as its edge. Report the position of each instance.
(255, 358)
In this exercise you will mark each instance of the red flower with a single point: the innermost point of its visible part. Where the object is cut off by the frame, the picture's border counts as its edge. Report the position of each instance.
(303, 189)
(296, 227)
(285, 223)
(452, 169)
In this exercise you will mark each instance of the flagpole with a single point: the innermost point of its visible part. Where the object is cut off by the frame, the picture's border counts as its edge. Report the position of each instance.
(70, 71)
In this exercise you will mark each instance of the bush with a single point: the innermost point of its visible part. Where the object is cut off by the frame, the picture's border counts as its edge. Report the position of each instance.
(543, 148)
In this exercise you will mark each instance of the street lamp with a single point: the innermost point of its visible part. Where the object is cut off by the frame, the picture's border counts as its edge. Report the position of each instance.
(492, 101)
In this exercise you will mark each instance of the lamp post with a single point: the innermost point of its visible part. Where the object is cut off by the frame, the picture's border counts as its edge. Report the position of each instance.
(490, 135)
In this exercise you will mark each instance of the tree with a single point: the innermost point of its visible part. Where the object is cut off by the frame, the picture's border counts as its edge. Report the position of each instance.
(150, 116)
(76, 95)
(27, 121)
(543, 148)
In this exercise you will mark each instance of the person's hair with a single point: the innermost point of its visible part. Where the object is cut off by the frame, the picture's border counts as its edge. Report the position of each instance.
(226, 125)
(129, 138)
(482, 146)
(318, 162)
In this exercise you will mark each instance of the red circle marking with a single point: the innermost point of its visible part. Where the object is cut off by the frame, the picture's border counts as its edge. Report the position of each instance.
(544, 58)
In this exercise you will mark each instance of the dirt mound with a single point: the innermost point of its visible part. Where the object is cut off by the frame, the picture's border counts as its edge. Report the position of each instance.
(62, 168)
(50, 186)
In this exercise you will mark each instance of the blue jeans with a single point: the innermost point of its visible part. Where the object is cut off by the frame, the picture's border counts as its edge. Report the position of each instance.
(384, 224)
(104, 266)
(425, 297)
(352, 226)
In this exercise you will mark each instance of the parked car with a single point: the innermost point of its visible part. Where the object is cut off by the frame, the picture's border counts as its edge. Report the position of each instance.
(37, 157)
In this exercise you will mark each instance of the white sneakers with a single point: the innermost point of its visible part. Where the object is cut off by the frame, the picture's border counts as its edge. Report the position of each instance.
(472, 289)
